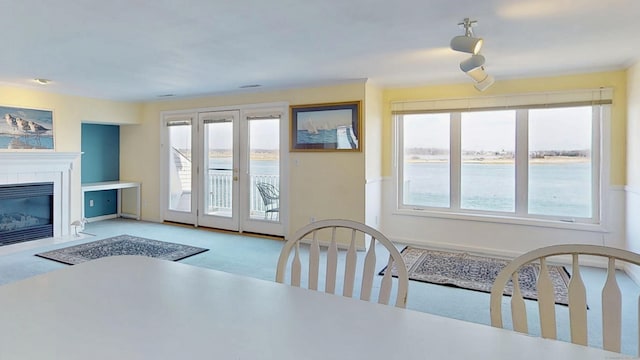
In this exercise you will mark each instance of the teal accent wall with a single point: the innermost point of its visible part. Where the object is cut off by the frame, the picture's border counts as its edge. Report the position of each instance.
(104, 203)
(100, 162)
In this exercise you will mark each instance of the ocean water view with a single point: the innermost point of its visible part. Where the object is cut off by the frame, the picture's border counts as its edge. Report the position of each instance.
(257, 167)
(555, 188)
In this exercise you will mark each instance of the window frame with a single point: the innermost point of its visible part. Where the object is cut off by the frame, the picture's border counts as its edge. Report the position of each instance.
(601, 117)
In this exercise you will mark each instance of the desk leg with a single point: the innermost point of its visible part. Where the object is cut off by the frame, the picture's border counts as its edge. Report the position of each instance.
(138, 205)
(119, 203)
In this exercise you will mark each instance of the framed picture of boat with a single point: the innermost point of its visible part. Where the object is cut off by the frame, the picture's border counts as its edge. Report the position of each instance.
(326, 127)
(26, 129)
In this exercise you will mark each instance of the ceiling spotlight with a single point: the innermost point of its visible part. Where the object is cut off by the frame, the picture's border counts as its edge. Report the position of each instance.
(484, 84)
(475, 61)
(42, 81)
(482, 79)
(467, 43)
(478, 74)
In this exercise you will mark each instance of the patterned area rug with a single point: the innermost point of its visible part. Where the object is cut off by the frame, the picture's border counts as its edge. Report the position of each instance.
(477, 272)
(121, 245)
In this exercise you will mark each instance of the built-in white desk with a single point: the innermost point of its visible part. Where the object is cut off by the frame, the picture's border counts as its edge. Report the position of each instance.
(131, 307)
(115, 185)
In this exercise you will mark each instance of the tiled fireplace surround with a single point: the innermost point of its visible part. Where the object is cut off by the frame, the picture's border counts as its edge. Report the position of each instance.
(34, 167)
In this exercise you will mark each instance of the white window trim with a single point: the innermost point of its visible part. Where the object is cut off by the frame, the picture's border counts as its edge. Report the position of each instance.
(602, 144)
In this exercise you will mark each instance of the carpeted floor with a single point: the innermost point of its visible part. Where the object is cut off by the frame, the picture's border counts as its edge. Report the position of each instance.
(477, 272)
(257, 257)
(121, 245)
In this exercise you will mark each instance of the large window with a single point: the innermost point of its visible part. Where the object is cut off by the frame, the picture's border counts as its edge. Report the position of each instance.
(522, 161)
(426, 160)
(487, 176)
(560, 162)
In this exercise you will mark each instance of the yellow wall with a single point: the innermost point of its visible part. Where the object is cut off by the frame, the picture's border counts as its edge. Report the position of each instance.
(373, 130)
(632, 200)
(68, 114)
(322, 185)
(633, 129)
(615, 80)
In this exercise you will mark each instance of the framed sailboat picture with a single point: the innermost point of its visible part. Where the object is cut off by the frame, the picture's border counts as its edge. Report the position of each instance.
(326, 127)
(26, 129)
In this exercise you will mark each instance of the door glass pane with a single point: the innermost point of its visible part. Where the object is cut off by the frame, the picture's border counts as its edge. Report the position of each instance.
(426, 154)
(560, 163)
(179, 165)
(218, 176)
(487, 177)
(264, 169)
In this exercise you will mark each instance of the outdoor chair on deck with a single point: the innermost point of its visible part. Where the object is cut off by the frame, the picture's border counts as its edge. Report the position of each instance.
(329, 232)
(611, 294)
(271, 199)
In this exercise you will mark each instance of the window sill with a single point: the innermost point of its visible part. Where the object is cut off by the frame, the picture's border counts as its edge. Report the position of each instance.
(500, 219)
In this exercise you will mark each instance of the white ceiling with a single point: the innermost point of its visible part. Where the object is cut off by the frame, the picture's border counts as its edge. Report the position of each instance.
(142, 49)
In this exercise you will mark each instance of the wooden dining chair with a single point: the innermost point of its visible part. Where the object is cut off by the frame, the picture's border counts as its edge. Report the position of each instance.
(611, 294)
(329, 232)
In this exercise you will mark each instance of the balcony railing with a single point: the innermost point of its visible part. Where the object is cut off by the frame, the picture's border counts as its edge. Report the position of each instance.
(219, 186)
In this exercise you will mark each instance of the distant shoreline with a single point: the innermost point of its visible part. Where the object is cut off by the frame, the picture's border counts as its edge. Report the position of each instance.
(543, 161)
(273, 156)
(259, 155)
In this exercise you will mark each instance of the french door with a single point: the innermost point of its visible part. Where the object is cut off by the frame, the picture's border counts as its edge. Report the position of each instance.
(222, 169)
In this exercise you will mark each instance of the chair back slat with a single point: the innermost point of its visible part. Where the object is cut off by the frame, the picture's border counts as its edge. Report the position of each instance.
(385, 287)
(611, 310)
(546, 302)
(314, 262)
(518, 312)
(577, 304)
(350, 267)
(359, 269)
(332, 265)
(367, 273)
(296, 267)
(611, 292)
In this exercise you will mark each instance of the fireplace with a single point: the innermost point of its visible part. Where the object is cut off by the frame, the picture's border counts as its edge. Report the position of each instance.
(26, 212)
(52, 173)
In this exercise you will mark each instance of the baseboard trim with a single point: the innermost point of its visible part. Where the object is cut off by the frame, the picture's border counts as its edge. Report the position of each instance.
(102, 217)
(502, 254)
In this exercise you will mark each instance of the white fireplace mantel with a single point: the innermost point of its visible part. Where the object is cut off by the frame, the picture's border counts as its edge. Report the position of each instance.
(32, 167)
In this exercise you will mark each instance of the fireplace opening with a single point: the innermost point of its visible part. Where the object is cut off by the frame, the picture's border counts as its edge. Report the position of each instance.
(26, 212)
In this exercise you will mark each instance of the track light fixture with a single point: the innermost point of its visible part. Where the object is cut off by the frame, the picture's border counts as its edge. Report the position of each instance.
(473, 66)
(467, 43)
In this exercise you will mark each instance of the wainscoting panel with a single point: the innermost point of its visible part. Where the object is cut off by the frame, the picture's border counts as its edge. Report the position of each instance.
(633, 228)
(498, 239)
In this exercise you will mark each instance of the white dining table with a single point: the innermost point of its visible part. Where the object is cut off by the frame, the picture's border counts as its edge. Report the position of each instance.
(132, 307)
